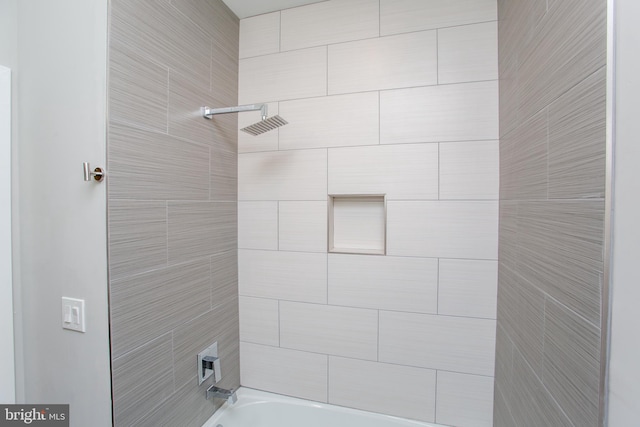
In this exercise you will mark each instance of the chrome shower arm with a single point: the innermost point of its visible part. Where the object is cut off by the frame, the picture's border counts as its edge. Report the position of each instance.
(208, 112)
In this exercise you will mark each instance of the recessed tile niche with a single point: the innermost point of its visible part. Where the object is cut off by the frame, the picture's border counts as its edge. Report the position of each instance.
(357, 224)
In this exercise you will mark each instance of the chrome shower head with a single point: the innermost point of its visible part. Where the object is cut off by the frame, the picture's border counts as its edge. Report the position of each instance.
(265, 125)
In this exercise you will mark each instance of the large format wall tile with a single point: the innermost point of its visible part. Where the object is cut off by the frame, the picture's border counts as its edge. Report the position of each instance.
(468, 53)
(467, 288)
(340, 331)
(575, 386)
(460, 112)
(330, 121)
(142, 379)
(464, 400)
(356, 384)
(151, 304)
(517, 23)
(443, 229)
(224, 160)
(524, 160)
(531, 403)
(501, 414)
(137, 90)
(258, 225)
(402, 16)
(509, 96)
(224, 277)
(155, 30)
(260, 35)
(224, 79)
(561, 251)
(198, 229)
(407, 171)
(146, 165)
(577, 132)
(215, 19)
(302, 226)
(392, 62)
(438, 342)
(568, 46)
(504, 364)
(390, 283)
(185, 407)
(137, 237)
(287, 175)
(259, 321)
(223, 188)
(329, 22)
(289, 372)
(296, 276)
(281, 76)
(469, 170)
(186, 97)
(521, 315)
(218, 325)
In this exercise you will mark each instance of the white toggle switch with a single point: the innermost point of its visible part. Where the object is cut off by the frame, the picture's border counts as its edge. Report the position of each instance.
(73, 314)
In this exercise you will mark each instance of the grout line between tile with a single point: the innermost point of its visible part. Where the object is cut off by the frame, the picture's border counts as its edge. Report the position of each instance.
(280, 31)
(327, 71)
(327, 398)
(361, 39)
(439, 171)
(378, 344)
(168, 99)
(379, 18)
(438, 288)
(373, 361)
(544, 336)
(437, 58)
(435, 399)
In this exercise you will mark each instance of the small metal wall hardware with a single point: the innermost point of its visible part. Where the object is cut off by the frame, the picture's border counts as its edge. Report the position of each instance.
(97, 174)
(211, 363)
(208, 364)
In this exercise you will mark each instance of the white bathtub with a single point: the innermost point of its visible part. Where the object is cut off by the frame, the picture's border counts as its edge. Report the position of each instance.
(260, 409)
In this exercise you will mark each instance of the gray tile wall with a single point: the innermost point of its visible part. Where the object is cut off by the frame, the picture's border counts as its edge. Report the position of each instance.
(172, 201)
(552, 175)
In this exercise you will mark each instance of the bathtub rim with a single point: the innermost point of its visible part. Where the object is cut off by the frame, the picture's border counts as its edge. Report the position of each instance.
(249, 396)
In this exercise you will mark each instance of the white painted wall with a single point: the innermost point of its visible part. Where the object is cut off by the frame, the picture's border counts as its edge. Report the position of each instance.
(62, 104)
(624, 382)
(9, 298)
(7, 364)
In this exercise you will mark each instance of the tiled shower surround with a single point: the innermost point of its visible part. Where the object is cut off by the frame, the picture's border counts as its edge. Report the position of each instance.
(382, 97)
(172, 203)
(552, 212)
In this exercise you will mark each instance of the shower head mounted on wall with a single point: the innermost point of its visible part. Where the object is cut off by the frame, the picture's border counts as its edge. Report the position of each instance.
(265, 125)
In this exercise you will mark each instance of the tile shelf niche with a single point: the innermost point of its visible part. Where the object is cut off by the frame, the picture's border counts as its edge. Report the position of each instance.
(357, 223)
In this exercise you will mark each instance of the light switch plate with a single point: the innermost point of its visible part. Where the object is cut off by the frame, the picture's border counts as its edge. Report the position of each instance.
(73, 314)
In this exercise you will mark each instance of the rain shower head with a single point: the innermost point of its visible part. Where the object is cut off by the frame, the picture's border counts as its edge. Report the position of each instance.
(265, 125)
